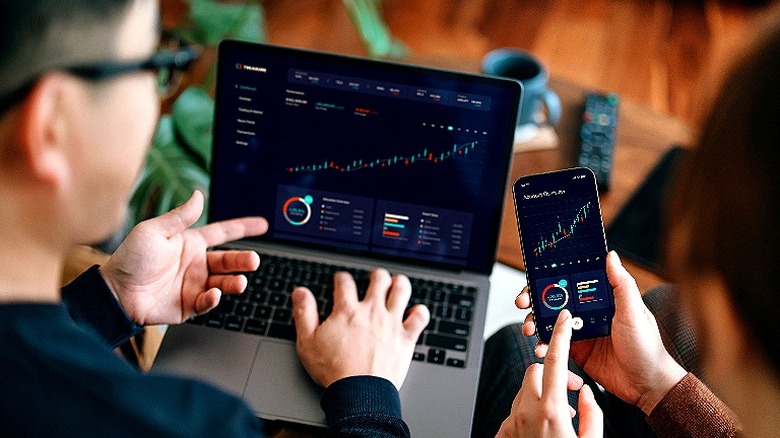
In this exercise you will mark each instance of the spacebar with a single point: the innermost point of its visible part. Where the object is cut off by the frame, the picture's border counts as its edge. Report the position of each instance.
(282, 331)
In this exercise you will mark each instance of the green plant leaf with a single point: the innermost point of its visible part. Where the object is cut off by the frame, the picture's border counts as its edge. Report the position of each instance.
(213, 21)
(193, 122)
(180, 156)
(164, 136)
(169, 177)
(366, 16)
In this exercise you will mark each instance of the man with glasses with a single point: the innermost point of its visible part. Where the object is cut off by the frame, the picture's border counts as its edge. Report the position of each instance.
(78, 106)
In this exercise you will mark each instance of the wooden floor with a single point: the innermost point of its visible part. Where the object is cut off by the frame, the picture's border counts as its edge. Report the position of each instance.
(653, 51)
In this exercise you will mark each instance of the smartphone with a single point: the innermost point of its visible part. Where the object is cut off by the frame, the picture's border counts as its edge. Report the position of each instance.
(565, 251)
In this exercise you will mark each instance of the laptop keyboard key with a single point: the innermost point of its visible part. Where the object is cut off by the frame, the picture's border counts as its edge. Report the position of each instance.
(444, 311)
(215, 320)
(258, 296)
(225, 307)
(454, 328)
(244, 309)
(282, 315)
(281, 331)
(463, 315)
(276, 285)
(418, 356)
(458, 363)
(231, 297)
(449, 342)
(263, 312)
(234, 323)
(436, 355)
(462, 300)
(277, 299)
(419, 293)
(255, 326)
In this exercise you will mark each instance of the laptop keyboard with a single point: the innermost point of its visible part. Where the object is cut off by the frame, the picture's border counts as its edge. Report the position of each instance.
(265, 307)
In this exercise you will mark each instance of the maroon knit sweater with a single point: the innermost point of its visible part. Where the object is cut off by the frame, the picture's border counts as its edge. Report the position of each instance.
(690, 409)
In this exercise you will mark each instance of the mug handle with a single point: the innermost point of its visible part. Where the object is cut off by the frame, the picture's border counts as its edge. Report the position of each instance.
(554, 109)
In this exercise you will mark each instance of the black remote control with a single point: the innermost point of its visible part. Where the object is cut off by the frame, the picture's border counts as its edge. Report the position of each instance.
(598, 135)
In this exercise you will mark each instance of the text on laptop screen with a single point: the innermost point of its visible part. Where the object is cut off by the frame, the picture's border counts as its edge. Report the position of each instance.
(362, 156)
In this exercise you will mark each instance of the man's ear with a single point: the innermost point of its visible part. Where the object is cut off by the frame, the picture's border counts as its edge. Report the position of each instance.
(43, 134)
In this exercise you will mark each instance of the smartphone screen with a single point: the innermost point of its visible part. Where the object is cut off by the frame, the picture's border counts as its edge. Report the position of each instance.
(564, 249)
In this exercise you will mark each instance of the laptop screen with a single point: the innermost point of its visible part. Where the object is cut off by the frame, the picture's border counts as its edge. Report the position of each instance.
(362, 156)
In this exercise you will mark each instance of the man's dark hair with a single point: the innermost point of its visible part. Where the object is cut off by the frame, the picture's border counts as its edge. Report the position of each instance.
(39, 35)
(728, 195)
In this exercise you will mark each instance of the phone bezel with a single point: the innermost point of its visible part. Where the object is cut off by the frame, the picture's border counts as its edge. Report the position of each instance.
(529, 278)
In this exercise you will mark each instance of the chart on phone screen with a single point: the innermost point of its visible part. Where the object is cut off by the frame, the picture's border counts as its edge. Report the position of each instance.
(565, 233)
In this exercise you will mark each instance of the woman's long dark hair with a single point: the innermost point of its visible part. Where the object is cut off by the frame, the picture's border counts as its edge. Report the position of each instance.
(728, 194)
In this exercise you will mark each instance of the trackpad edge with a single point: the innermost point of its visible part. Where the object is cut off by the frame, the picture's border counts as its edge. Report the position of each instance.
(279, 387)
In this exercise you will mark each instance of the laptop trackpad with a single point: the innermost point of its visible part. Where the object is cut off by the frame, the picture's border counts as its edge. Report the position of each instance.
(279, 387)
(190, 350)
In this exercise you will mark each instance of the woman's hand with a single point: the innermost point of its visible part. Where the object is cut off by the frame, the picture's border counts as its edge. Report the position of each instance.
(541, 408)
(632, 363)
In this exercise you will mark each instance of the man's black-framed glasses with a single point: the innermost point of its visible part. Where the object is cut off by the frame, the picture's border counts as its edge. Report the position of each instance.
(169, 64)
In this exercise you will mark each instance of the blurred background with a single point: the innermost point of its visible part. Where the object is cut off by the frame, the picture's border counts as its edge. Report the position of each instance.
(652, 51)
(656, 53)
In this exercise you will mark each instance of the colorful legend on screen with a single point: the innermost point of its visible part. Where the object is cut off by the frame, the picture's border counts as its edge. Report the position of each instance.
(397, 227)
(578, 292)
(425, 229)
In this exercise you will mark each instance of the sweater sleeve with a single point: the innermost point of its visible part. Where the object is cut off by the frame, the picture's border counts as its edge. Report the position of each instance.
(92, 305)
(363, 406)
(690, 409)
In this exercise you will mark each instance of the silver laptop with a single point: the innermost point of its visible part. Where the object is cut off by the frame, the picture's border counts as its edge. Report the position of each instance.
(356, 164)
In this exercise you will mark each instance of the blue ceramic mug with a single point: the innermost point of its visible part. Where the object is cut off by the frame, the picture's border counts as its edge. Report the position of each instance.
(524, 67)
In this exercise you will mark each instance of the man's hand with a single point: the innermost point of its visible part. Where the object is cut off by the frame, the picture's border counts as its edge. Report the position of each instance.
(162, 272)
(632, 363)
(368, 337)
(541, 407)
